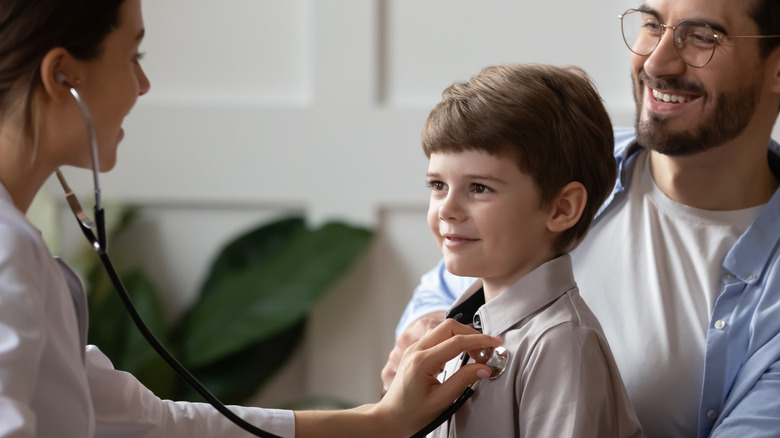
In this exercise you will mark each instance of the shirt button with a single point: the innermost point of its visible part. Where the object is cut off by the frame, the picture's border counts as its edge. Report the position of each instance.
(730, 276)
(720, 324)
(712, 414)
(751, 278)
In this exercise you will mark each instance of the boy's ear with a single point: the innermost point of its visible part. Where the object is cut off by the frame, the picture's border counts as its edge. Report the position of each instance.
(567, 208)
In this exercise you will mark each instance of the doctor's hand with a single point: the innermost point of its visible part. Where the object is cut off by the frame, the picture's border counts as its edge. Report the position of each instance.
(412, 334)
(416, 396)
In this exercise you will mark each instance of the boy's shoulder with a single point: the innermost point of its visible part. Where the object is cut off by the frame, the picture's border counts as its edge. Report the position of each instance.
(564, 330)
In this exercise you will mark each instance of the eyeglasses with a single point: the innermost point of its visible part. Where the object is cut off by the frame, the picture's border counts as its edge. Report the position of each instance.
(695, 41)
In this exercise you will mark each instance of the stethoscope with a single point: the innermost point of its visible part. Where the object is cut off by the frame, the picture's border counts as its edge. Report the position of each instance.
(495, 359)
(99, 243)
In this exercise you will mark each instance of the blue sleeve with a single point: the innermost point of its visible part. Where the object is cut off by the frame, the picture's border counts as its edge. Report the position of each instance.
(437, 290)
(757, 414)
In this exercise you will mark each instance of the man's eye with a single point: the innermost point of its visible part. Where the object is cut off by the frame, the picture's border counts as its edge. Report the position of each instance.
(651, 25)
(700, 37)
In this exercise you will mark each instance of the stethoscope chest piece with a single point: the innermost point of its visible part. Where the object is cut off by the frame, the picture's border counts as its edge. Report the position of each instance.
(496, 358)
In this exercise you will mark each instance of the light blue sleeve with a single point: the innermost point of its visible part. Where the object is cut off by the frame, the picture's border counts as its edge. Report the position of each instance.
(757, 414)
(437, 290)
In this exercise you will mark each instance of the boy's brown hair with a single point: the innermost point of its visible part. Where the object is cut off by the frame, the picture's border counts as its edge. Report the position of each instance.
(550, 120)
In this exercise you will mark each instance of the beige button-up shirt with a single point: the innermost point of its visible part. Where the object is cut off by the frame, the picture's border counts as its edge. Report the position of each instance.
(561, 380)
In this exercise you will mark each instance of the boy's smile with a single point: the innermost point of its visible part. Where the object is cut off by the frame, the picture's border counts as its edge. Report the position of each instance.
(454, 241)
(487, 217)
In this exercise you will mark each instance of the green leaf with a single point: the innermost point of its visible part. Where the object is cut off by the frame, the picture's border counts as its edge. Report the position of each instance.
(112, 329)
(237, 377)
(107, 321)
(252, 248)
(95, 277)
(267, 290)
(137, 355)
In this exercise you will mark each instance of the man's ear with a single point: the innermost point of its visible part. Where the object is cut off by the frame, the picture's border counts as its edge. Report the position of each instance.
(773, 63)
(59, 72)
(567, 207)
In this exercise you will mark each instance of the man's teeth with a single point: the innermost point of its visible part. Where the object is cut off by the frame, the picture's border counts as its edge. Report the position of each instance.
(669, 97)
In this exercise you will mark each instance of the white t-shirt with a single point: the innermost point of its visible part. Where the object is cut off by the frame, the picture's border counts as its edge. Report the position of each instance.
(670, 257)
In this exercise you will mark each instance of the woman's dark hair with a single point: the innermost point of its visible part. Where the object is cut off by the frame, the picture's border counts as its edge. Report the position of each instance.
(29, 29)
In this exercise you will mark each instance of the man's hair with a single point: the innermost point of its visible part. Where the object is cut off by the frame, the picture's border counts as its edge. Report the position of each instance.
(766, 13)
(549, 120)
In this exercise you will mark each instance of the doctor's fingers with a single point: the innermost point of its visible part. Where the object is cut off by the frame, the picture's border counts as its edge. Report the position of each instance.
(451, 332)
(429, 362)
(451, 388)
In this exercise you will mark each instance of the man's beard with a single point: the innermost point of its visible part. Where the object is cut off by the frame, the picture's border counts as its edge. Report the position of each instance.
(727, 118)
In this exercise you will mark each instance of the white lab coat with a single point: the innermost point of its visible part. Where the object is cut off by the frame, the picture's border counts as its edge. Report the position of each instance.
(50, 386)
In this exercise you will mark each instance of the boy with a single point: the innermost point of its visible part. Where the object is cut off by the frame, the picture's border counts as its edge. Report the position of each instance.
(520, 161)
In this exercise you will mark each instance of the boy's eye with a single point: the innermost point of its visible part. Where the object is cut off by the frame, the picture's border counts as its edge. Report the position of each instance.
(479, 188)
(436, 185)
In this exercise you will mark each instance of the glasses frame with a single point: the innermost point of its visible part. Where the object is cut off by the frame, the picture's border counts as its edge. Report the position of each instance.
(679, 43)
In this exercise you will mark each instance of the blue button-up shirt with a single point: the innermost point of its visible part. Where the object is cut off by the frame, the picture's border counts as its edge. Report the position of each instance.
(741, 387)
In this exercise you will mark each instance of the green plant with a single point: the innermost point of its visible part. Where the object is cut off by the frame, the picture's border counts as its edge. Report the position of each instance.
(250, 314)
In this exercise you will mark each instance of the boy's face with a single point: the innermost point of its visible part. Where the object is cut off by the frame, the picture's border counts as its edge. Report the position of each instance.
(487, 217)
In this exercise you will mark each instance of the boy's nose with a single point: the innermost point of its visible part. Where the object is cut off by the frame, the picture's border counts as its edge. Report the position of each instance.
(450, 209)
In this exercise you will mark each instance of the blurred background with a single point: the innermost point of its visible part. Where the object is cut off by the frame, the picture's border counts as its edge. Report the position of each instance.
(262, 109)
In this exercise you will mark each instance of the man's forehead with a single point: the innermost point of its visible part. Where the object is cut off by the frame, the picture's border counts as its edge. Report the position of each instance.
(728, 13)
(703, 6)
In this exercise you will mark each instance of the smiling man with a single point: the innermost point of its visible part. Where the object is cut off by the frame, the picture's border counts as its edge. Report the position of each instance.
(682, 265)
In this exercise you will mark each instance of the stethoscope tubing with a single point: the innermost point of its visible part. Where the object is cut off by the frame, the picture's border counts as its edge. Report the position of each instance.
(182, 371)
(99, 243)
(178, 367)
(446, 415)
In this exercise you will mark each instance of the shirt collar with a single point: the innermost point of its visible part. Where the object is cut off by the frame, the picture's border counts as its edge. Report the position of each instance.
(524, 298)
(749, 257)
(626, 152)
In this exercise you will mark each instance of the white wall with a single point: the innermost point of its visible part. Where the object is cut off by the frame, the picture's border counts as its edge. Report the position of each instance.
(260, 107)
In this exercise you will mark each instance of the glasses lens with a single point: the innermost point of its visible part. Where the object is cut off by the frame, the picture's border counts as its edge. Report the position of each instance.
(641, 31)
(695, 42)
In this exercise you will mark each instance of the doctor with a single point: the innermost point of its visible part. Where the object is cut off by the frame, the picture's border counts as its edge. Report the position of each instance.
(51, 384)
